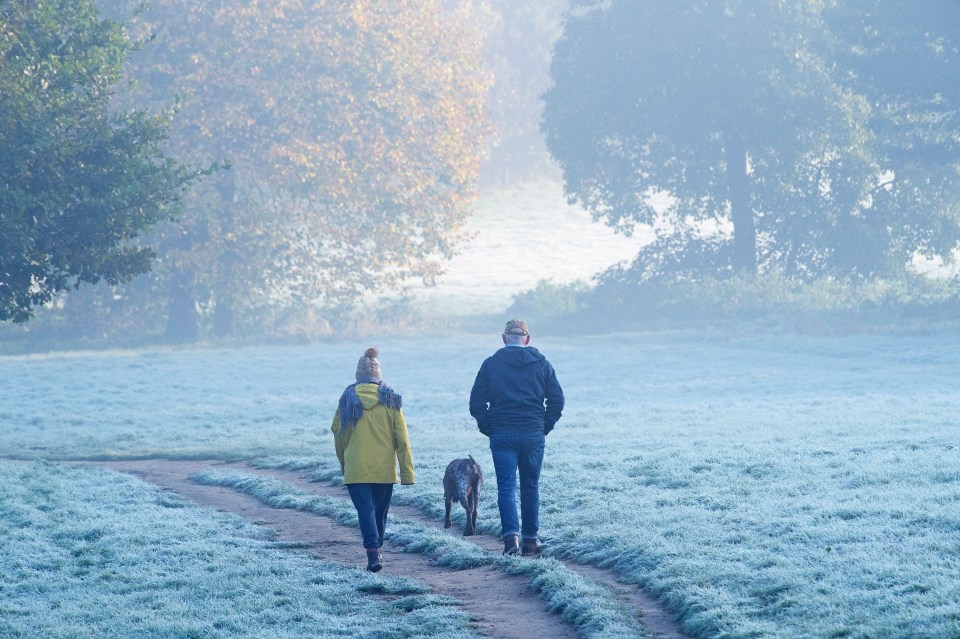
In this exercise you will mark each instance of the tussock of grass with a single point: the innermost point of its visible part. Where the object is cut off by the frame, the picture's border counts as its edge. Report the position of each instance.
(401, 586)
(589, 606)
(321, 468)
(417, 602)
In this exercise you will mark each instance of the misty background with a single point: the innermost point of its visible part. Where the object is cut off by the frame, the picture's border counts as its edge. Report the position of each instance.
(732, 225)
(293, 171)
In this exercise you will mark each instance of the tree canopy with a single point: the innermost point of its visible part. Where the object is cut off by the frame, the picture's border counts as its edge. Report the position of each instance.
(79, 182)
(905, 59)
(353, 131)
(759, 123)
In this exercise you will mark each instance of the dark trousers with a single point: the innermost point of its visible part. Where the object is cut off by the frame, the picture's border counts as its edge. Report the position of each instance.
(372, 502)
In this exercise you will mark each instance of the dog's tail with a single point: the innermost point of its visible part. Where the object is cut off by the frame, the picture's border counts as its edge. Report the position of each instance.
(462, 484)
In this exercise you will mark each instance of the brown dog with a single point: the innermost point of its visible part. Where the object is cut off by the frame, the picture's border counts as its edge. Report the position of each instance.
(462, 481)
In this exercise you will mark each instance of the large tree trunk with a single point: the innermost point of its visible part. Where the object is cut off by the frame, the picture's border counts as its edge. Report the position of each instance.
(744, 228)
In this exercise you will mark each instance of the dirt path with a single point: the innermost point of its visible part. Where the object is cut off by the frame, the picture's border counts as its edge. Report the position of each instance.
(500, 605)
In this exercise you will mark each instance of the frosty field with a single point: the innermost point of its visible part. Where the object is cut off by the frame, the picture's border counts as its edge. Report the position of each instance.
(780, 486)
(88, 553)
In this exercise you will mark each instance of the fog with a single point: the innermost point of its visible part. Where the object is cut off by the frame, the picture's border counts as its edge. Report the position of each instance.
(651, 163)
(513, 232)
(733, 227)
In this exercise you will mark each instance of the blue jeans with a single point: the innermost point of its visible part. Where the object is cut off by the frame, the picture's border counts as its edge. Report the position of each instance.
(372, 502)
(521, 452)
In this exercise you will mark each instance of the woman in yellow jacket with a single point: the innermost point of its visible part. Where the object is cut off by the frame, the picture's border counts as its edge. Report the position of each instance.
(370, 434)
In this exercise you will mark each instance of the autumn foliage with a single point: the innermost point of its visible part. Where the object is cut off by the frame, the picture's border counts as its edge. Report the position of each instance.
(352, 131)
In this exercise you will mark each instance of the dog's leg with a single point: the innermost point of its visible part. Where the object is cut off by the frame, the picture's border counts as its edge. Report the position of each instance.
(469, 529)
(474, 503)
(472, 515)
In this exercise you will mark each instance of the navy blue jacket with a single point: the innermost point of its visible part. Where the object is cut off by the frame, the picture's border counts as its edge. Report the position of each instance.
(516, 389)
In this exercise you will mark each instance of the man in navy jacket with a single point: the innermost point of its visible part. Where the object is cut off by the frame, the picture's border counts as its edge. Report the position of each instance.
(516, 400)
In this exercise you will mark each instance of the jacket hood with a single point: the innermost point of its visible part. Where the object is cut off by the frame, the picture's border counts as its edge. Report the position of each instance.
(369, 395)
(517, 356)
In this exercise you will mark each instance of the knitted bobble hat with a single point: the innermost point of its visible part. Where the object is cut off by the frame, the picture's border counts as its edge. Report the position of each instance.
(368, 368)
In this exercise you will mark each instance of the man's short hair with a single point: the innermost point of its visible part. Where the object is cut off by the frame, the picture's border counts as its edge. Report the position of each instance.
(516, 327)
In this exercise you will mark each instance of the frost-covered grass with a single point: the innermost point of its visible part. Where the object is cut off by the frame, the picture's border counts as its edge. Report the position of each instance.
(89, 553)
(587, 605)
(763, 487)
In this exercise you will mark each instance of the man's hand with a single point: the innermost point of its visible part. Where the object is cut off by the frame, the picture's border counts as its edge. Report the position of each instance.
(484, 427)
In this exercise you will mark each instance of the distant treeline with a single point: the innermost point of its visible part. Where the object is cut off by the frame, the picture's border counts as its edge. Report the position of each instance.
(182, 171)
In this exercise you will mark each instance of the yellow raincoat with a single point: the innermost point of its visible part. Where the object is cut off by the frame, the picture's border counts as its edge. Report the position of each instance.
(369, 452)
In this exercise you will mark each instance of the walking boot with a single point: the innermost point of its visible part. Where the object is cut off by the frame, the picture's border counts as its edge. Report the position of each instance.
(511, 544)
(374, 560)
(532, 547)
